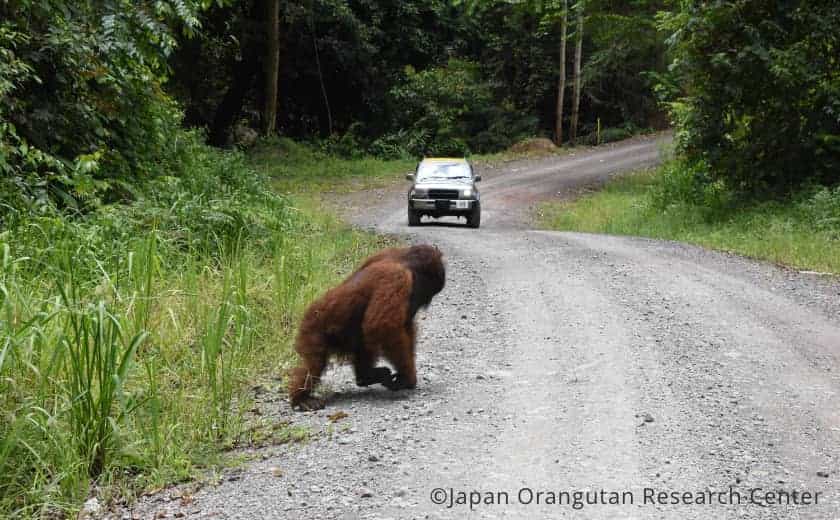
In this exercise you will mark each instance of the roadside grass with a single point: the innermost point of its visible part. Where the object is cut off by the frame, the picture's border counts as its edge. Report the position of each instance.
(131, 337)
(802, 233)
(299, 169)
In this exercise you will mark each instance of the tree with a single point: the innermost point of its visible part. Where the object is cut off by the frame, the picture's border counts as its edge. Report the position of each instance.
(450, 110)
(625, 53)
(231, 48)
(573, 128)
(82, 109)
(272, 65)
(758, 92)
(561, 83)
(340, 60)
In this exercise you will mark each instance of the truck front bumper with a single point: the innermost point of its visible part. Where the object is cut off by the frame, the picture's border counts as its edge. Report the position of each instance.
(443, 206)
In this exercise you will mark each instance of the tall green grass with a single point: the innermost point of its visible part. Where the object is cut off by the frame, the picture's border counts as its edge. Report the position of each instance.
(301, 169)
(802, 231)
(129, 337)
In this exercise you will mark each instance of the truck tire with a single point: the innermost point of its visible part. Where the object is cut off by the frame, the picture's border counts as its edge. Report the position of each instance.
(413, 218)
(474, 219)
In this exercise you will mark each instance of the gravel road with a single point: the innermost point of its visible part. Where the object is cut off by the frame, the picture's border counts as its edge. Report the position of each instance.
(556, 363)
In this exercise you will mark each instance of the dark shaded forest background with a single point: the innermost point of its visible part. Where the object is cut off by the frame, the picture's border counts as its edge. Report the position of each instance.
(397, 77)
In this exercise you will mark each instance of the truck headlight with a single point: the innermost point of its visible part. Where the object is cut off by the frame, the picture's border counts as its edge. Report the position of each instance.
(419, 193)
(466, 193)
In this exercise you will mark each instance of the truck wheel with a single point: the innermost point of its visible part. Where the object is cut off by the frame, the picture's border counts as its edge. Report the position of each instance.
(413, 218)
(474, 219)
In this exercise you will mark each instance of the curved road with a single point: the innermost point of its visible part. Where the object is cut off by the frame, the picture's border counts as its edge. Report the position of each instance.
(562, 363)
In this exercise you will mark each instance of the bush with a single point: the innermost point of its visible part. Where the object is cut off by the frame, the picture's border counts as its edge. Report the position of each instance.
(682, 183)
(347, 145)
(402, 144)
(822, 206)
(759, 92)
(82, 110)
(82, 396)
(449, 110)
(211, 203)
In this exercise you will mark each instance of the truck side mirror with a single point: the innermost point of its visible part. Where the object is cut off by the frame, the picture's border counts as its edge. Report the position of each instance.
(477, 178)
(409, 176)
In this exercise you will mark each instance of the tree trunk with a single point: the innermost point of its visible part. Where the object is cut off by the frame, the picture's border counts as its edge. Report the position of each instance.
(272, 65)
(576, 96)
(321, 76)
(244, 74)
(561, 84)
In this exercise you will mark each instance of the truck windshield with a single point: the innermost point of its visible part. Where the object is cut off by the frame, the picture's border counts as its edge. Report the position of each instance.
(443, 170)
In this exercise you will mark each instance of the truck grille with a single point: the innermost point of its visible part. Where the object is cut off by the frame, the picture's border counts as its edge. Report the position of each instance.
(443, 194)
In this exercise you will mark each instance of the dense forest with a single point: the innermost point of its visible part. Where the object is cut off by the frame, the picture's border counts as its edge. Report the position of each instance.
(134, 228)
(414, 77)
(94, 92)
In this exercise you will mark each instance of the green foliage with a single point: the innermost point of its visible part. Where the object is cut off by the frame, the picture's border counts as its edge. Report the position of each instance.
(821, 207)
(450, 111)
(130, 335)
(348, 145)
(627, 53)
(82, 111)
(98, 358)
(210, 203)
(684, 183)
(362, 48)
(517, 44)
(225, 344)
(297, 167)
(759, 91)
(346, 95)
